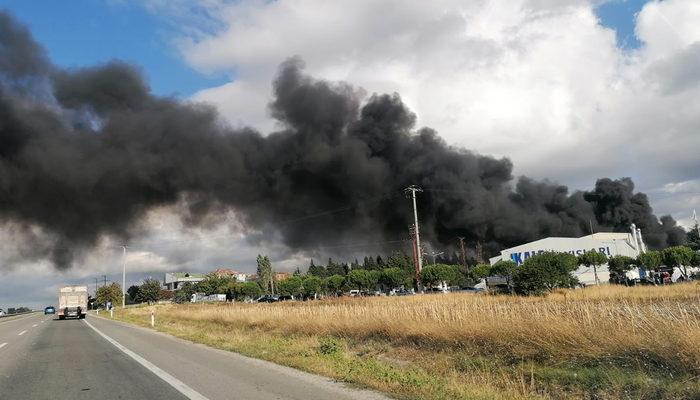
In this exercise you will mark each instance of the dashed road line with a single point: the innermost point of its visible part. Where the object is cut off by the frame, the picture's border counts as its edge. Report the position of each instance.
(34, 326)
(22, 333)
(171, 380)
(2, 345)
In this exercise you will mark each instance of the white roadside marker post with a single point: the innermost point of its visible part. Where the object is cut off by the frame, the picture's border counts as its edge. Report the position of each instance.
(111, 313)
(153, 319)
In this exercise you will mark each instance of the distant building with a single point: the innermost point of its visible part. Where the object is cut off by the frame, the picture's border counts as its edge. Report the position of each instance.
(608, 243)
(238, 276)
(280, 276)
(175, 280)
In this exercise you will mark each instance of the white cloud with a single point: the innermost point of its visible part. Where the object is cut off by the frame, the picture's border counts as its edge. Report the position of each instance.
(541, 82)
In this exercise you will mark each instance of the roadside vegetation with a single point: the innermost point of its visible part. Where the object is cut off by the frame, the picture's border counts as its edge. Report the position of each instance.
(606, 342)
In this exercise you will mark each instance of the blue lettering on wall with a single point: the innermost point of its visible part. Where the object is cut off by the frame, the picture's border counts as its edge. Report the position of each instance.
(516, 258)
(519, 258)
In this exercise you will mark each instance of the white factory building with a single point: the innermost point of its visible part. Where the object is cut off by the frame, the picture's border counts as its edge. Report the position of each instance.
(608, 243)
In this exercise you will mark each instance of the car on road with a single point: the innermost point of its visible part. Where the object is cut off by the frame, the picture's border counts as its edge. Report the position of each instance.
(49, 310)
(2, 313)
(268, 298)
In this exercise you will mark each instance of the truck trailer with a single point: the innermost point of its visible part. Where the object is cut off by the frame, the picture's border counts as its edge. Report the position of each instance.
(72, 302)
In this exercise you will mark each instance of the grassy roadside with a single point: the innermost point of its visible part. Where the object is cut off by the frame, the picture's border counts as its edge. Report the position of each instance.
(594, 343)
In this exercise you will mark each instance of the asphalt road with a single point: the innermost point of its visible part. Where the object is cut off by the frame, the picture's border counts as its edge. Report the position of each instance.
(44, 358)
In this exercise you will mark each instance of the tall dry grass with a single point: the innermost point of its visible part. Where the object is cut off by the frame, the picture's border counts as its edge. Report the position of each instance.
(655, 326)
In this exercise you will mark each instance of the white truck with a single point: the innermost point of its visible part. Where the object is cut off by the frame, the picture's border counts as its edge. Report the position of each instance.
(72, 302)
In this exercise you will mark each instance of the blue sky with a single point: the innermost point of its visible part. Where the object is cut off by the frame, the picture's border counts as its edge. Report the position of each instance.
(85, 32)
(79, 33)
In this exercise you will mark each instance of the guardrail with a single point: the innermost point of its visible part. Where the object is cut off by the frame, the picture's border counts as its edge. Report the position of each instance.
(16, 314)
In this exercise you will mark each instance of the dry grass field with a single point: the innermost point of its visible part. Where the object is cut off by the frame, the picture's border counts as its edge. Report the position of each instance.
(602, 342)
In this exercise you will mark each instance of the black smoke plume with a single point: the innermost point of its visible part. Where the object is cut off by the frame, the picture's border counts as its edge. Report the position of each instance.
(85, 153)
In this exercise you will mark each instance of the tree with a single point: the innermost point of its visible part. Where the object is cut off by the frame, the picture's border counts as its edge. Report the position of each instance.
(334, 269)
(394, 278)
(316, 270)
(693, 238)
(544, 272)
(265, 275)
(133, 292)
(481, 271)
(593, 258)
(149, 291)
(292, 286)
(439, 273)
(505, 269)
(111, 293)
(619, 266)
(650, 260)
(380, 263)
(402, 261)
(184, 294)
(312, 285)
(369, 263)
(696, 260)
(247, 291)
(334, 284)
(214, 284)
(678, 257)
(362, 279)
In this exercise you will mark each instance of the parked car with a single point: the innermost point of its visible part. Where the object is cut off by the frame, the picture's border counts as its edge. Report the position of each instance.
(354, 293)
(285, 298)
(2, 313)
(403, 292)
(268, 298)
(435, 290)
(49, 310)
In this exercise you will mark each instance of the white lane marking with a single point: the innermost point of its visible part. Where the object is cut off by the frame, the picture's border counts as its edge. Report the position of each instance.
(2, 345)
(169, 379)
(34, 326)
(22, 333)
(14, 319)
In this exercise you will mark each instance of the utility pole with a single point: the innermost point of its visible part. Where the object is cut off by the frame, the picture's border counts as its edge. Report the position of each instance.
(413, 189)
(463, 254)
(105, 280)
(479, 252)
(124, 279)
(435, 254)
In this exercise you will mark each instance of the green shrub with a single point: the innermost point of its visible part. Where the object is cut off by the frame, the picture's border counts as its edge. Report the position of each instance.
(330, 346)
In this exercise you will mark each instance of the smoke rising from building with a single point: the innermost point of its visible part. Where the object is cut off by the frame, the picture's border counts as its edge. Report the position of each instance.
(84, 153)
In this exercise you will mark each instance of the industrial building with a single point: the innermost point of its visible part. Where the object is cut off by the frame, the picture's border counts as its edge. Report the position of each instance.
(175, 280)
(609, 243)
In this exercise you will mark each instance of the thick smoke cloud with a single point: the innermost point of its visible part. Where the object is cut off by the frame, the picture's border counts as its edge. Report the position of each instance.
(85, 153)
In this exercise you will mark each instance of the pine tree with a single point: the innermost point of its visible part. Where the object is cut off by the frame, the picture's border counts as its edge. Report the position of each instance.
(370, 263)
(265, 275)
(380, 263)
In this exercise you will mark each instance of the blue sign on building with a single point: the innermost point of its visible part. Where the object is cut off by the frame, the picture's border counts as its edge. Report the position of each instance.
(520, 257)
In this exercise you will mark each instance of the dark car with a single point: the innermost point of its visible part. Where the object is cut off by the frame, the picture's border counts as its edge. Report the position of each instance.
(268, 299)
(285, 298)
(49, 310)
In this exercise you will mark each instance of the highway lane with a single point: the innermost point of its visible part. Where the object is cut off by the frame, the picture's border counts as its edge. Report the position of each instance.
(67, 360)
(103, 359)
